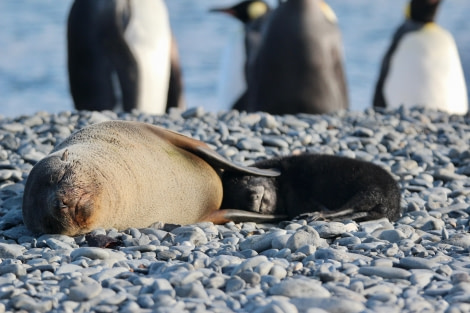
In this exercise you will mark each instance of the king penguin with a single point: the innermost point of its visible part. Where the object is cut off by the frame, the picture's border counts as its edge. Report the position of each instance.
(121, 56)
(298, 67)
(422, 66)
(239, 50)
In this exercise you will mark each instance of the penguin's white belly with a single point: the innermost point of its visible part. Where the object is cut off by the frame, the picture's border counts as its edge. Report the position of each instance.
(149, 38)
(232, 82)
(425, 70)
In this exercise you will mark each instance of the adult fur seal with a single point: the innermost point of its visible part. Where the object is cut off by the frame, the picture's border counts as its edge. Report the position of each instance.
(122, 174)
(332, 187)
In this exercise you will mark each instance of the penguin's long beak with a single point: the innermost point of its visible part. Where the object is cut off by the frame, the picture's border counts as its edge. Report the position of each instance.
(229, 11)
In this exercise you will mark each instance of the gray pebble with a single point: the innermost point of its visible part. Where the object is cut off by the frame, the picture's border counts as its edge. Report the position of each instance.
(29, 304)
(234, 284)
(84, 292)
(11, 251)
(262, 242)
(299, 288)
(194, 235)
(302, 237)
(332, 304)
(416, 263)
(334, 229)
(384, 272)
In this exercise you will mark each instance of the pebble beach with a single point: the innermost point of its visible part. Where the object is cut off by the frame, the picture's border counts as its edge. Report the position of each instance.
(420, 263)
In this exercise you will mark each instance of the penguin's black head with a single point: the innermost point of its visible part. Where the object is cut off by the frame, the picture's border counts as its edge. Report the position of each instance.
(423, 11)
(246, 11)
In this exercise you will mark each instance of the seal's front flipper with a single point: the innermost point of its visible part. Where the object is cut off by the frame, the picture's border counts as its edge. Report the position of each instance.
(216, 160)
(237, 216)
(203, 151)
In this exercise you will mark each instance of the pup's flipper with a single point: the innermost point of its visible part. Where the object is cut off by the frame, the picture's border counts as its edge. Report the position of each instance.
(227, 215)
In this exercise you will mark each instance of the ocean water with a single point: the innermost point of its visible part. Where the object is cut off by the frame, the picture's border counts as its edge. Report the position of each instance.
(33, 73)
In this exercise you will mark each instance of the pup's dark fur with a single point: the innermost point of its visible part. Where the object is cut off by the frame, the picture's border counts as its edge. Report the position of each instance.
(336, 188)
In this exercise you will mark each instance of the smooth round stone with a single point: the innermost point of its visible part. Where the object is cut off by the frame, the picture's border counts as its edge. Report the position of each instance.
(29, 304)
(268, 121)
(16, 269)
(334, 229)
(277, 306)
(251, 278)
(192, 290)
(278, 271)
(13, 127)
(162, 287)
(275, 142)
(262, 242)
(215, 282)
(428, 223)
(234, 284)
(249, 264)
(109, 273)
(294, 122)
(382, 262)
(304, 237)
(459, 240)
(264, 268)
(145, 301)
(421, 277)
(338, 255)
(193, 112)
(346, 241)
(194, 235)
(184, 278)
(331, 304)
(392, 235)
(280, 242)
(11, 251)
(84, 292)
(90, 252)
(385, 272)
(416, 263)
(447, 175)
(299, 288)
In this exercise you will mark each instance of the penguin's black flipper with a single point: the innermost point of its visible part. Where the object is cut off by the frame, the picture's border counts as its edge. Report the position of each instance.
(89, 69)
(175, 88)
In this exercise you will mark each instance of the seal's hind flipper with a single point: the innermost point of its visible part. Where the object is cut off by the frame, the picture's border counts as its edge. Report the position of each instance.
(203, 151)
(237, 216)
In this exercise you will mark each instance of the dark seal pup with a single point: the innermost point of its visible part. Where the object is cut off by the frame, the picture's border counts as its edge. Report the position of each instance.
(332, 187)
(121, 174)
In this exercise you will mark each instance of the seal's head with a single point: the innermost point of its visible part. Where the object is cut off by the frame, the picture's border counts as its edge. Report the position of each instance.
(250, 193)
(59, 197)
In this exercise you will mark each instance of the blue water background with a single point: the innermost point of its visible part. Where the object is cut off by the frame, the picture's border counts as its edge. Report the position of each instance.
(33, 73)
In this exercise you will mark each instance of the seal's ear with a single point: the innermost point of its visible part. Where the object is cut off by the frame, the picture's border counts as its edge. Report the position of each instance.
(238, 216)
(203, 151)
